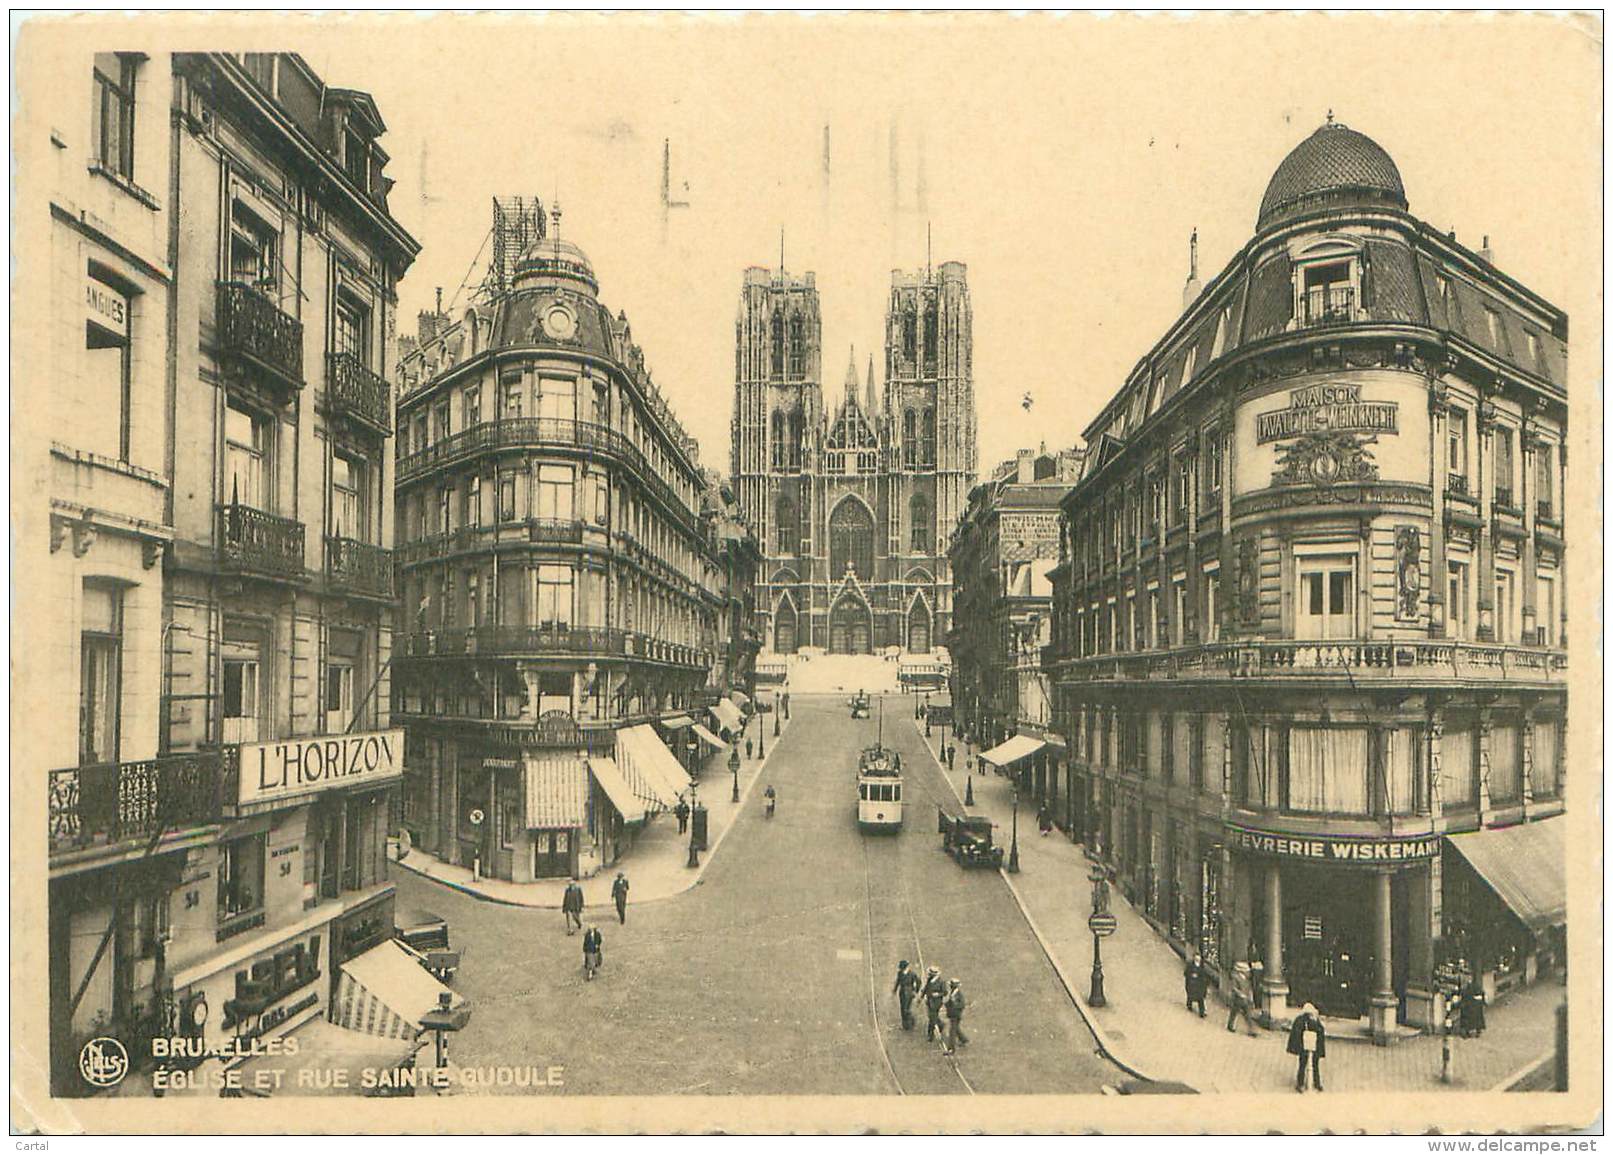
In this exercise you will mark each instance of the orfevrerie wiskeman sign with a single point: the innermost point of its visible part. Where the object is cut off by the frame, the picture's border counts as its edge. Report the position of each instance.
(295, 766)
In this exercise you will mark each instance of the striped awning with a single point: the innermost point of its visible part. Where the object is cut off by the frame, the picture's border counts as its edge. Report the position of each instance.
(325, 1047)
(1011, 751)
(650, 769)
(616, 788)
(677, 722)
(385, 991)
(1524, 865)
(556, 792)
(727, 715)
(739, 698)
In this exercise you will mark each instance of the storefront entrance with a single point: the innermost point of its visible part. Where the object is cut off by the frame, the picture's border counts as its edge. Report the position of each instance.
(1328, 938)
(551, 854)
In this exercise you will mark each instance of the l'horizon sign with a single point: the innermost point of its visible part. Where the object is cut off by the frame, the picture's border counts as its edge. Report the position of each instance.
(1317, 848)
(296, 766)
(1327, 408)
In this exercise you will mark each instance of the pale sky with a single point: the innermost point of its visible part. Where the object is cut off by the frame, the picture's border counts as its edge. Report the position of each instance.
(1066, 162)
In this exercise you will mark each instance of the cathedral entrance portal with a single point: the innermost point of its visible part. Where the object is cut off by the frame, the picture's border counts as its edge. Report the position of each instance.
(918, 628)
(851, 628)
(784, 628)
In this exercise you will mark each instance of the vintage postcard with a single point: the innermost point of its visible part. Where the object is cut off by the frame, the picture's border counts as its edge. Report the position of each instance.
(779, 573)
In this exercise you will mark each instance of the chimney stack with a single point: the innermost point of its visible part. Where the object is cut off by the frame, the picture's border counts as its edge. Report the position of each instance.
(1485, 253)
(1025, 467)
(1191, 290)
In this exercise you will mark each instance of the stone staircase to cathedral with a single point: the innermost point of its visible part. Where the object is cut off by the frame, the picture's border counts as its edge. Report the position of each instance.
(816, 672)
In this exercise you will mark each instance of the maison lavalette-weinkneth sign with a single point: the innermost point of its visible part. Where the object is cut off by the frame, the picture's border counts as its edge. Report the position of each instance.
(271, 771)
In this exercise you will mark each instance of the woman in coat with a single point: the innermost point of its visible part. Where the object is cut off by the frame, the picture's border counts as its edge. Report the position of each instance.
(1472, 1011)
(1307, 1038)
(1196, 981)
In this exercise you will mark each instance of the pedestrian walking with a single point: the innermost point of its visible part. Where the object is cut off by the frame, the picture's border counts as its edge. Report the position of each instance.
(1471, 1019)
(593, 945)
(952, 753)
(1196, 980)
(954, 1009)
(935, 994)
(1241, 998)
(1307, 1038)
(749, 747)
(907, 989)
(571, 907)
(618, 893)
(1044, 820)
(681, 812)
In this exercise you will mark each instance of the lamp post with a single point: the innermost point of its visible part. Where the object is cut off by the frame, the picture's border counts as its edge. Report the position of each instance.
(733, 765)
(775, 721)
(761, 741)
(1013, 847)
(1100, 911)
(694, 801)
(443, 1019)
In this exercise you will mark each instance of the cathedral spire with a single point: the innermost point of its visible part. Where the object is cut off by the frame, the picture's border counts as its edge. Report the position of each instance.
(872, 405)
(851, 375)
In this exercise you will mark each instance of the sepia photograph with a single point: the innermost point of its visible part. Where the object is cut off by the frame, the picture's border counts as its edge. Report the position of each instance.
(780, 573)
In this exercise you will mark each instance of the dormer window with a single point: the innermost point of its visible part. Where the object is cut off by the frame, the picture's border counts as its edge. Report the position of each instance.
(1328, 294)
(356, 157)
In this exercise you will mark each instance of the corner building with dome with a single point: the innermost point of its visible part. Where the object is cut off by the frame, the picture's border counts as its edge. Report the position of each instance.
(1309, 640)
(566, 572)
(853, 503)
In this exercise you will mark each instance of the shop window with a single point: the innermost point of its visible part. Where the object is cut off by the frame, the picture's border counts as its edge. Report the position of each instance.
(100, 673)
(107, 328)
(1327, 770)
(246, 458)
(555, 484)
(1543, 767)
(240, 875)
(1506, 784)
(1456, 765)
(349, 493)
(1401, 790)
(1326, 598)
(115, 75)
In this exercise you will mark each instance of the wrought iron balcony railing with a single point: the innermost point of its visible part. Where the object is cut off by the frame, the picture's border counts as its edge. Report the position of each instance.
(109, 804)
(1327, 305)
(1543, 511)
(353, 390)
(1503, 496)
(359, 566)
(258, 542)
(1456, 483)
(537, 641)
(253, 328)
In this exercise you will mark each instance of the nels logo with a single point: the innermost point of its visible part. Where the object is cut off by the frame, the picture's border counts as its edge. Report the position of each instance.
(103, 1062)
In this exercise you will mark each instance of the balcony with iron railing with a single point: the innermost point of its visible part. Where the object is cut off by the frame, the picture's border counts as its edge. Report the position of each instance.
(550, 640)
(354, 391)
(1544, 511)
(1327, 305)
(112, 804)
(1456, 485)
(252, 328)
(252, 541)
(358, 567)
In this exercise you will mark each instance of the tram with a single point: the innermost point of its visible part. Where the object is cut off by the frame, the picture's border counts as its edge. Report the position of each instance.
(879, 790)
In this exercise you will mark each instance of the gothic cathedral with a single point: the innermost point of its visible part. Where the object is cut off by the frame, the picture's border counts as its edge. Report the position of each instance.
(853, 507)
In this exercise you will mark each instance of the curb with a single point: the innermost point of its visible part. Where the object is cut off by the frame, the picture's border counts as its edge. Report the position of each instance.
(1105, 1047)
(694, 881)
(1526, 1070)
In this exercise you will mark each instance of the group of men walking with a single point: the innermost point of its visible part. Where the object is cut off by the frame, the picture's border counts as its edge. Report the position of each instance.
(1307, 1037)
(941, 997)
(593, 942)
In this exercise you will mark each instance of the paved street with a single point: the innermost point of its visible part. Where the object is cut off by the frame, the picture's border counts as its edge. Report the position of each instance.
(773, 975)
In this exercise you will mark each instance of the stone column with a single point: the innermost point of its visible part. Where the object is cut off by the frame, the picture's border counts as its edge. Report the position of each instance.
(1382, 1002)
(1276, 985)
(1421, 1007)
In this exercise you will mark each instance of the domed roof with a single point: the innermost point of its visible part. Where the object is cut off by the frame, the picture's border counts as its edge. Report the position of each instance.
(1332, 166)
(552, 259)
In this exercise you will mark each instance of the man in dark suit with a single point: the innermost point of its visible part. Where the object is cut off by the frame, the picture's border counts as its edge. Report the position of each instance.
(935, 994)
(571, 906)
(593, 944)
(618, 893)
(906, 988)
(1307, 1038)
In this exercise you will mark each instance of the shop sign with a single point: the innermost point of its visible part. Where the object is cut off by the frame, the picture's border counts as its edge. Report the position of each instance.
(556, 728)
(1321, 849)
(1327, 408)
(105, 307)
(297, 766)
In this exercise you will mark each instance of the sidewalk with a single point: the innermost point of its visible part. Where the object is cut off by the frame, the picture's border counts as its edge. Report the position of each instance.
(1146, 1027)
(657, 864)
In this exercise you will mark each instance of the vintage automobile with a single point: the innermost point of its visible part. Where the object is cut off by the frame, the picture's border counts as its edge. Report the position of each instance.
(426, 936)
(967, 839)
(860, 704)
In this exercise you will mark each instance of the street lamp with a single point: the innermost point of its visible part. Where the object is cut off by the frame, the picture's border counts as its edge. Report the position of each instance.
(1100, 909)
(694, 801)
(761, 741)
(1013, 849)
(733, 765)
(443, 1019)
(775, 721)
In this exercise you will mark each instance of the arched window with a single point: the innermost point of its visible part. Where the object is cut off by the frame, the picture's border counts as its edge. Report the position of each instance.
(919, 518)
(910, 333)
(793, 451)
(910, 437)
(787, 532)
(778, 344)
(851, 540)
(778, 439)
(928, 451)
(797, 347)
(931, 332)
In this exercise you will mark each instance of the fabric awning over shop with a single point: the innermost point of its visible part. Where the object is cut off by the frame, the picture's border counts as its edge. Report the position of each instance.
(385, 991)
(651, 770)
(1523, 864)
(940, 702)
(614, 784)
(738, 698)
(556, 792)
(1011, 751)
(677, 722)
(324, 1047)
(709, 738)
(727, 715)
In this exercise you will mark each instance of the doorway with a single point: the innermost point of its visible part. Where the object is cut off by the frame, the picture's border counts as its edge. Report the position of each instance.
(551, 854)
(850, 627)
